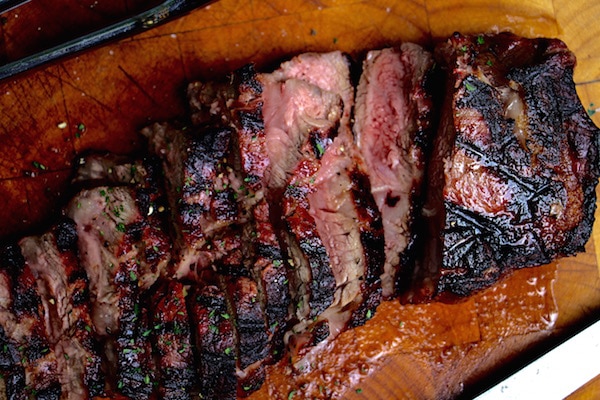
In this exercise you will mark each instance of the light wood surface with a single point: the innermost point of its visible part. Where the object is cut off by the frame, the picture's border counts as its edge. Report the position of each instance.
(100, 99)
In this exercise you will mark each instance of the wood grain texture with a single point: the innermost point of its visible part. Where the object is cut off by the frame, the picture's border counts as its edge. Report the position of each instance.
(99, 100)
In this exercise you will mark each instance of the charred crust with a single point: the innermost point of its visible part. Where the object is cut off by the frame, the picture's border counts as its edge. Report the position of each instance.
(66, 235)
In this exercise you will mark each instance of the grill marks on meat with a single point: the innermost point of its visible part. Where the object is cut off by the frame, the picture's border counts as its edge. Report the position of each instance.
(214, 338)
(31, 363)
(392, 127)
(287, 224)
(202, 190)
(514, 166)
(171, 337)
(64, 293)
(123, 251)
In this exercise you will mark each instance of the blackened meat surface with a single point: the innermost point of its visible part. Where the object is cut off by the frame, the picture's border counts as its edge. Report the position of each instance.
(514, 166)
(171, 338)
(214, 340)
(64, 293)
(202, 189)
(393, 120)
(32, 363)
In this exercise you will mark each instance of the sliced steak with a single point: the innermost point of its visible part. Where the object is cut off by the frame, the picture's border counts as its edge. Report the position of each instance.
(115, 229)
(31, 363)
(392, 125)
(202, 190)
(214, 339)
(64, 293)
(350, 227)
(131, 346)
(251, 332)
(171, 338)
(291, 110)
(514, 166)
(123, 250)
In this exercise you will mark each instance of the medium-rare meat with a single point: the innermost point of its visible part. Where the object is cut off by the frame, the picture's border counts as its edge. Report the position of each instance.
(514, 164)
(171, 339)
(214, 339)
(32, 363)
(392, 124)
(349, 225)
(202, 191)
(64, 293)
(292, 109)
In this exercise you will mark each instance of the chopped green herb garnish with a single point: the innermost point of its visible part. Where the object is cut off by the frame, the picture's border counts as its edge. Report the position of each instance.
(228, 351)
(291, 394)
(480, 39)
(147, 379)
(39, 165)
(320, 149)
(132, 276)
(213, 328)
(489, 63)
(359, 390)
(225, 315)
(121, 227)
(470, 87)
(88, 328)
(369, 314)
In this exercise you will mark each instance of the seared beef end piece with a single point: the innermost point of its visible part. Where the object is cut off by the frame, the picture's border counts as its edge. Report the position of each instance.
(202, 189)
(32, 361)
(214, 338)
(63, 287)
(393, 123)
(515, 163)
(171, 337)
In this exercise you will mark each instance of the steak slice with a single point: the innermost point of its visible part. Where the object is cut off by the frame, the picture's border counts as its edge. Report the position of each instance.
(514, 167)
(171, 338)
(123, 250)
(214, 340)
(31, 362)
(115, 229)
(202, 191)
(392, 126)
(64, 293)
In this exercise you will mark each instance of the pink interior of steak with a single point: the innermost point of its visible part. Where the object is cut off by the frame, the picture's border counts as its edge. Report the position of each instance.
(392, 122)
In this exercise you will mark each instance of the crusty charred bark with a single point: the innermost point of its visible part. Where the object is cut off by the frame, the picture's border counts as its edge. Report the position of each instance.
(214, 339)
(202, 190)
(516, 163)
(171, 338)
(392, 126)
(64, 294)
(33, 365)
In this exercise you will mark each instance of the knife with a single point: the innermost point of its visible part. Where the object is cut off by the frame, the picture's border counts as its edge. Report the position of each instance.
(556, 374)
(157, 15)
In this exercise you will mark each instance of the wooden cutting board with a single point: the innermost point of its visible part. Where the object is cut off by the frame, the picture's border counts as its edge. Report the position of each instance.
(99, 100)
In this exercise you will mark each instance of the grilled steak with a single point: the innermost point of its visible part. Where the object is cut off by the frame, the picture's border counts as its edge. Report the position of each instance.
(292, 218)
(393, 120)
(214, 338)
(514, 166)
(64, 293)
(171, 337)
(31, 363)
(202, 189)
(114, 230)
